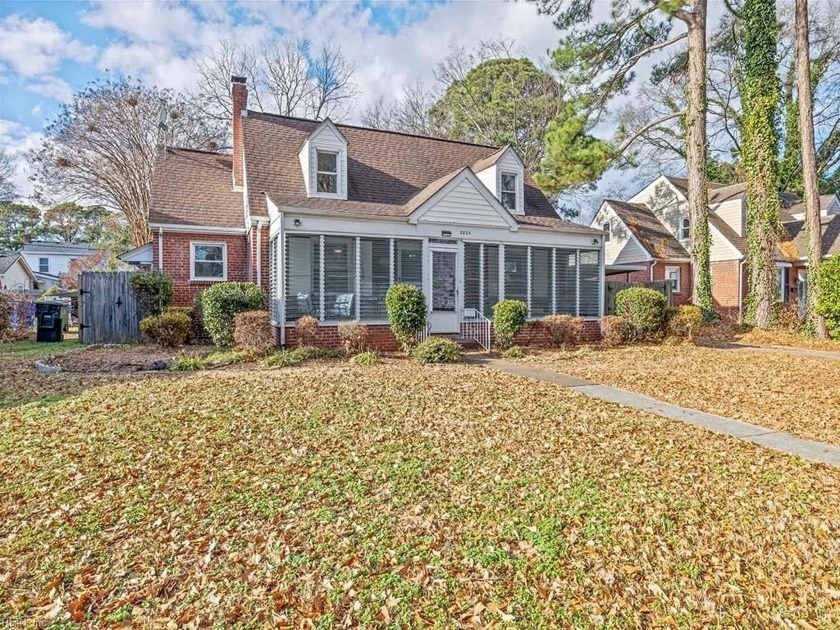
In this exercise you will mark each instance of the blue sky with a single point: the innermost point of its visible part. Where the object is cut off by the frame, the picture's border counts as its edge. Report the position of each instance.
(49, 49)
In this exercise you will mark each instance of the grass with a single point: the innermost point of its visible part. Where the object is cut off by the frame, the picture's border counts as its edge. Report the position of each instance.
(796, 394)
(399, 496)
(31, 348)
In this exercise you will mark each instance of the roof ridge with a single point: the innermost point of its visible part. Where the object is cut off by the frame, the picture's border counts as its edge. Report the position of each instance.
(360, 127)
(204, 151)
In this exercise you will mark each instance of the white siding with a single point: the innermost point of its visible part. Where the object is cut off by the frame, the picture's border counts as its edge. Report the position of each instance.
(622, 248)
(16, 278)
(720, 248)
(465, 205)
(489, 179)
(326, 139)
(508, 163)
(731, 211)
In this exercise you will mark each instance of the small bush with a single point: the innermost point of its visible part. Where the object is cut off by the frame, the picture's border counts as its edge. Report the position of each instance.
(828, 303)
(222, 302)
(564, 331)
(406, 306)
(365, 358)
(186, 363)
(226, 357)
(508, 320)
(198, 332)
(253, 332)
(50, 293)
(153, 290)
(296, 356)
(514, 352)
(437, 350)
(684, 321)
(170, 329)
(613, 330)
(354, 336)
(5, 316)
(643, 311)
(306, 330)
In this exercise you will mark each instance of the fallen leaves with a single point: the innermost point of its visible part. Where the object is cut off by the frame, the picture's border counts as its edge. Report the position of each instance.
(399, 496)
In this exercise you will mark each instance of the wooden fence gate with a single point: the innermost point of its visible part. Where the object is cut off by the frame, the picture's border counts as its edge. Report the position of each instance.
(612, 288)
(108, 310)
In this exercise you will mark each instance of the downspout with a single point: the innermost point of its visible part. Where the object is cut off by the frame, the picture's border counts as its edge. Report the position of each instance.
(652, 265)
(259, 252)
(160, 248)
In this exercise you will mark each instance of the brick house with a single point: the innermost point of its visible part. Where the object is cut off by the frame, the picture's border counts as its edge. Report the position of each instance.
(648, 237)
(327, 216)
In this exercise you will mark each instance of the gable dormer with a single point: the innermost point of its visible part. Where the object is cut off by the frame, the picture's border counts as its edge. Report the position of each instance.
(323, 162)
(503, 173)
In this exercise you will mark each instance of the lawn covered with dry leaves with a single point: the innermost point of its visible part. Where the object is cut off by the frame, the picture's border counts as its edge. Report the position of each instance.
(797, 394)
(398, 495)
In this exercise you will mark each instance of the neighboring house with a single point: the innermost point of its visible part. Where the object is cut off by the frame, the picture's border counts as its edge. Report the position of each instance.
(326, 217)
(15, 274)
(140, 257)
(649, 238)
(49, 260)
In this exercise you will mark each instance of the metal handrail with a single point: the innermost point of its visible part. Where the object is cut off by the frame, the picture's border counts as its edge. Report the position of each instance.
(474, 325)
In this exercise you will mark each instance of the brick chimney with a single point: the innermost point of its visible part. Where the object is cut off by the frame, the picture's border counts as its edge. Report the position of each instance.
(239, 96)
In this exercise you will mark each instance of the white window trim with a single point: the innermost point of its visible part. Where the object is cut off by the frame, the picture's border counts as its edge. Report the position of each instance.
(337, 173)
(223, 245)
(678, 288)
(515, 190)
(683, 228)
(607, 231)
(40, 270)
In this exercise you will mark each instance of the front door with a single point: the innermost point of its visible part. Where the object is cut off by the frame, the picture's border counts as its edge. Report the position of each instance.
(443, 314)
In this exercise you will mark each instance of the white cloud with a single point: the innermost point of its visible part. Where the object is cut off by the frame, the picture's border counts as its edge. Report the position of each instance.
(51, 87)
(18, 139)
(33, 48)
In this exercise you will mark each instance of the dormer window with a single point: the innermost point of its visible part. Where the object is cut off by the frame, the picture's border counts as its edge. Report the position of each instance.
(685, 228)
(508, 192)
(327, 175)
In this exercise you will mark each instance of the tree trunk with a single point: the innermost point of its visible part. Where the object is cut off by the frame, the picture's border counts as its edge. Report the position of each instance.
(696, 148)
(813, 227)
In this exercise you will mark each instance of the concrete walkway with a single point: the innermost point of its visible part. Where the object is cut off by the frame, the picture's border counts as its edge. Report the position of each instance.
(778, 440)
(801, 352)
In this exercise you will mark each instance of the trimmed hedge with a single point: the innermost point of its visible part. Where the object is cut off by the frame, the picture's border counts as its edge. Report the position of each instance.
(306, 330)
(406, 306)
(354, 336)
(564, 331)
(253, 332)
(642, 309)
(828, 304)
(437, 350)
(508, 321)
(222, 302)
(613, 330)
(170, 329)
(684, 321)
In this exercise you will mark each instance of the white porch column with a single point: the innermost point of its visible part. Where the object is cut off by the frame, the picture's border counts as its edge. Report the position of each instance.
(321, 309)
(501, 271)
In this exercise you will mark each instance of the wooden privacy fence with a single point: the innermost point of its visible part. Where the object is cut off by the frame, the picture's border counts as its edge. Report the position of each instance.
(612, 288)
(108, 310)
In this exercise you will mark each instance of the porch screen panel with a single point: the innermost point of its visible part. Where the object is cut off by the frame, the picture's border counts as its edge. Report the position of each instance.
(540, 281)
(516, 273)
(340, 278)
(472, 275)
(491, 279)
(408, 262)
(303, 276)
(273, 292)
(566, 281)
(375, 277)
(590, 285)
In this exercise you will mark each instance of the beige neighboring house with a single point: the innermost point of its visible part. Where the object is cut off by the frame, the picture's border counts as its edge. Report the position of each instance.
(15, 274)
(648, 237)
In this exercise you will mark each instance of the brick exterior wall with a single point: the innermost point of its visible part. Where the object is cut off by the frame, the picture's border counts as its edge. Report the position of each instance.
(380, 337)
(239, 98)
(176, 261)
(684, 296)
(535, 336)
(725, 287)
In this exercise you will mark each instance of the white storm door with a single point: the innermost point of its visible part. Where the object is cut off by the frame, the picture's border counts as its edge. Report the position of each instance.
(443, 305)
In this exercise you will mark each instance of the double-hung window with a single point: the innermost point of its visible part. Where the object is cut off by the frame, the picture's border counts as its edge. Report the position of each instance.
(327, 172)
(685, 228)
(509, 191)
(43, 265)
(208, 261)
(673, 274)
(607, 231)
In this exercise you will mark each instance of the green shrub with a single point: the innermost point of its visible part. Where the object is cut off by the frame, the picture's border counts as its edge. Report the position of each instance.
(225, 357)
(286, 358)
(199, 332)
(643, 311)
(49, 293)
(222, 302)
(406, 306)
(828, 304)
(508, 320)
(354, 336)
(437, 350)
(563, 331)
(684, 321)
(306, 330)
(5, 315)
(253, 332)
(186, 363)
(153, 290)
(613, 330)
(514, 352)
(365, 358)
(170, 329)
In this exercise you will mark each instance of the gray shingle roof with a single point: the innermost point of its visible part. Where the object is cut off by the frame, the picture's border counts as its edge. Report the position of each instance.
(649, 230)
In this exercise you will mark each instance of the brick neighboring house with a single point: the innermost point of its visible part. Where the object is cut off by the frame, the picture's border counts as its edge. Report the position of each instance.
(648, 237)
(327, 216)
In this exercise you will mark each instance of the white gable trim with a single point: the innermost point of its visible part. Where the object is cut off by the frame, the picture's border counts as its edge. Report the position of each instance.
(22, 261)
(327, 123)
(717, 233)
(633, 237)
(510, 150)
(465, 175)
